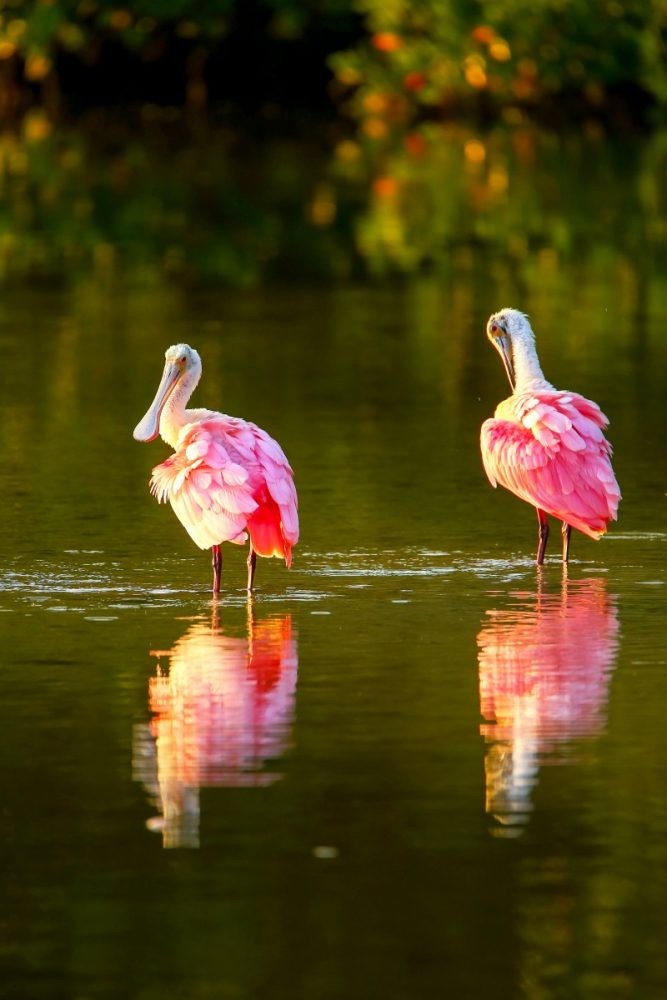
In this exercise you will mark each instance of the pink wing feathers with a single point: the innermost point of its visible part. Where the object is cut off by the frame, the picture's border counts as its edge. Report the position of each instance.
(228, 477)
(274, 525)
(552, 453)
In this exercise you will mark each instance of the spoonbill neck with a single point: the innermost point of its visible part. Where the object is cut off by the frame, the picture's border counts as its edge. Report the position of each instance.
(174, 413)
(527, 369)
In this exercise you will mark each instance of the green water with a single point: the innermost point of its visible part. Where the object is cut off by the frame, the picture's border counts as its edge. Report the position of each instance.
(413, 767)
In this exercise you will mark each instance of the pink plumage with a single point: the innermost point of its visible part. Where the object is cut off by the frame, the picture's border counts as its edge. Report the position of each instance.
(547, 446)
(227, 480)
(544, 668)
(228, 477)
(225, 705)
(223, 710)
(550, 451)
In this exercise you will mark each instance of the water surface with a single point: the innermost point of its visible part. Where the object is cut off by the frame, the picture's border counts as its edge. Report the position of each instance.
(413, 765)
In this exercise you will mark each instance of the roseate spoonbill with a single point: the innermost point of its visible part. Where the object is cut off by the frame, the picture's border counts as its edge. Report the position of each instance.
(227, 479)
(547, 446)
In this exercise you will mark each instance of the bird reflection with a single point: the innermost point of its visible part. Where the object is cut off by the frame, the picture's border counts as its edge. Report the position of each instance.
(222, 710)
(544, 669)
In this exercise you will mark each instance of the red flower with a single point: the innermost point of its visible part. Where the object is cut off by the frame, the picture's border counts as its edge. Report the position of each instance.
(386, 41)
(414, 81)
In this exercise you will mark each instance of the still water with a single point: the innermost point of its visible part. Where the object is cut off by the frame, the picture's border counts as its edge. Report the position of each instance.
(412, 766)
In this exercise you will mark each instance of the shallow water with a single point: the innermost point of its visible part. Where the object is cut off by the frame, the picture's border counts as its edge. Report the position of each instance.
(414, 763)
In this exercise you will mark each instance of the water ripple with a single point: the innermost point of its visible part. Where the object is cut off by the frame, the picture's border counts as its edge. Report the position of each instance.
(111, 586)
(415, 563)
(64, 585)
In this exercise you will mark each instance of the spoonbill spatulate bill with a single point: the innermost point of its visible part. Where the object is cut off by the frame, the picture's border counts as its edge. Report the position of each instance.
(228, 480)
(546, 446)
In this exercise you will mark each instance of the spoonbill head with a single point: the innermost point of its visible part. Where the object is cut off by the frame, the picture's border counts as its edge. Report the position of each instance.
(512, 336)
(182, 371)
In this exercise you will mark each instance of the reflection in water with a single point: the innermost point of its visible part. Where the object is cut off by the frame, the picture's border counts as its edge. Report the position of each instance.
(544, 668)
(221, 711)
(105, 197)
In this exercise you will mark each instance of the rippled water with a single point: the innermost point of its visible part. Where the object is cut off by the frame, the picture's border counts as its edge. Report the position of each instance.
(413, 765)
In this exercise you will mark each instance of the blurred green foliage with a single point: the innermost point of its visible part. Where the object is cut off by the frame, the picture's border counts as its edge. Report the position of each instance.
(33, 31)
(204, 204)
(411, 55)
(37, 28)
(434, 55)
(179, 40)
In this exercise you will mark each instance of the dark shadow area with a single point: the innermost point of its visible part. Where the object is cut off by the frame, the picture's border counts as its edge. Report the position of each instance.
(250, 68)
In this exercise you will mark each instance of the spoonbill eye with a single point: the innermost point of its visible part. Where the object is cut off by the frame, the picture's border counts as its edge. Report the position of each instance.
(494, 328)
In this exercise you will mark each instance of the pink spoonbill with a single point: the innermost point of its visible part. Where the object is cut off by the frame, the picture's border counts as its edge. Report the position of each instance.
(227, 480)
(546, 446)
